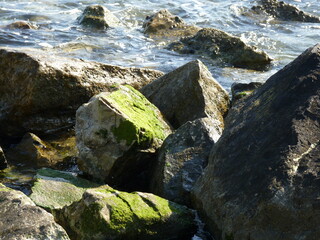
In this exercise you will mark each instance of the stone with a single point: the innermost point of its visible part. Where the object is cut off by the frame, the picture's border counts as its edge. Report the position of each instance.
(220, 45)
(241, 90)
(98, 16)
(22, 219)
(117, 132)
(21, 25)
(182, 159)
(262, 180)
(40, 92)
(188, 93)
(284, 11)
(55, 189)
(165, 24)
(105, 213)
(34, 152)
(3, 160)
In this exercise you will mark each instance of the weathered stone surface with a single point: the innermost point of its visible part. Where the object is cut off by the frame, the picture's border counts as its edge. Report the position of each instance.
(21, 25)
(55, 189)
(40, 93)
(99, 17)
(241, 90)
(262, 180)
(3, 160)
(182, 159)
(105, 213)
(188, 93)
(165, 24)
(218, 44)
(21, 219)
(116, 133)
(284, 11)
(32, 151)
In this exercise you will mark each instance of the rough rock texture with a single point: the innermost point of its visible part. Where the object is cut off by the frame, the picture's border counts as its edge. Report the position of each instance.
(182, 159)
(21, 25)
(3, 160)
(262, 181)
(218, 44)
(241, 90)
(165, 24)
(116, 133)
(21, 219)
(40, 93)
(32, 151)
(105, 213)
(284, 11)
(98, 16)
(55, 189)
(188, 93)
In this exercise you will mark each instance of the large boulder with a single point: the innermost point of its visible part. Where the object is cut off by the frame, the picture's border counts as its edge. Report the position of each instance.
(182, 159)
(165, 24)
(262, 181)
(3, 160)
(221, 45)
(22, 219)
(98, 16)
(284, 11)
(40, 93)
(117, 132)
(188, 93)
(105, 213)
(55, 189)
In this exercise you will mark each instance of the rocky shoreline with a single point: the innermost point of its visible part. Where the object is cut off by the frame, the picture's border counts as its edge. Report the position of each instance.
(150, 149)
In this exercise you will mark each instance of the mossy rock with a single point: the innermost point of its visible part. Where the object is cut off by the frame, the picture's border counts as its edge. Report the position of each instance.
(105, 213)
(55, 189)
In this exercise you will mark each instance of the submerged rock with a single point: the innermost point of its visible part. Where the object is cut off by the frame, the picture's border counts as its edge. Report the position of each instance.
(117, 132)
(241, 90)
(182, 159)
(188, 93)
(262, 181)
(105, 213)
(21, 25)
(218, 44)
(40, 92)
(284, 11)
(22, 219)
(99, 17)
(55, 189)
(165, 24)
(3, 160)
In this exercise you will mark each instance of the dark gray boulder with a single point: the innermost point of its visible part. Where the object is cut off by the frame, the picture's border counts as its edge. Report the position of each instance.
(284, 11)
(221, 45)
(3, 160)
(182, 159)
(262, 180)
(188, 93)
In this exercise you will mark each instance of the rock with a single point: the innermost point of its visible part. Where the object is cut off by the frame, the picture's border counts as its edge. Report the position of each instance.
(182, 159)
(188, 93)
(99, 17)
(116, 134)
(241, 90)
(21, 219)
(165, 24)
(55, 189)
(284, 11)
(218, 44)
(21, 25)
(40, 92)
(3, 160)
(105, 213)
(32, 151)
(262, 179)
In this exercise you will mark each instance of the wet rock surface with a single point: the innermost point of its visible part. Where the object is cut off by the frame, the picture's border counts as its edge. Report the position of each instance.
(221, 45)
(40, 93)
(284, 11)
(3, 160)
(21, 219)
(262, 180)
(21, 25)
(188, 93)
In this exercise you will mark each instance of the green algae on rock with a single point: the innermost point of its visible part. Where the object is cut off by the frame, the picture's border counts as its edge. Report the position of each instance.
(55, 189)
(117, 132)
(105, 213)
